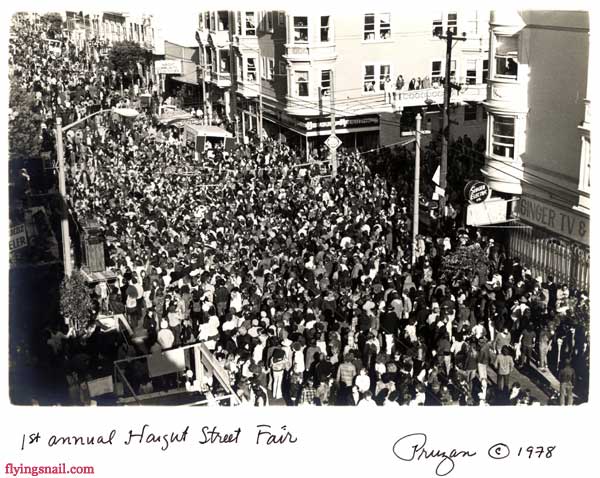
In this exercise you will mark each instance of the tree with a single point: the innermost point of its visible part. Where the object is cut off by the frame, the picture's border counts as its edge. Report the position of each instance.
(55, 23)
(124, 57)
(75, 302)
(467, 260)
(24, 124)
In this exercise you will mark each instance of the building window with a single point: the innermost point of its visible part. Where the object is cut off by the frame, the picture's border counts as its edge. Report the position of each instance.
(250, 24)
(470, 112)
(384, 72)
(269, 21)
(251, 69)
(239, 23)
(436, 71)
(473, 24)
(503, 136)
(224, 61)
(223, 21)
(271, 68)
(325, 29)
(207, 20)
(369, 78)
(485, 71)
(453, 69)
(302, 83)
(453, 23)
(506, 55)
(212, 22)
(377, 26)
(281, 18)
(385, 27)
(300, 29)
(471, 72)
(325, 82)
(282, 68)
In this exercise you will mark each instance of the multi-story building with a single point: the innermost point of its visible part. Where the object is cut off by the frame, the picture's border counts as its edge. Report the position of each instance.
(296, 61)
(538, 149)
(111, 27)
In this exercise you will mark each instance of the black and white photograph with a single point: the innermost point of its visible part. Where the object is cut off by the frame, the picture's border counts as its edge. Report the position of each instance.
(320, 208)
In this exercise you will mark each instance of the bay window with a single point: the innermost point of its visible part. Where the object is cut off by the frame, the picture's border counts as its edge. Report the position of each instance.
(506, 55)
(503, 136)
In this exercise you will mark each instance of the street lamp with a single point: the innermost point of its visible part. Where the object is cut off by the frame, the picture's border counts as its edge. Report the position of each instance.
(62, 186)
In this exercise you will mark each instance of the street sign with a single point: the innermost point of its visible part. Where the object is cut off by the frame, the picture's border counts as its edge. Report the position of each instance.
(333, 142)
(476, 192)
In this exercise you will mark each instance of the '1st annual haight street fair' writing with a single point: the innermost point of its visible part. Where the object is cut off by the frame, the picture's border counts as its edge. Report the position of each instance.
(144, 435)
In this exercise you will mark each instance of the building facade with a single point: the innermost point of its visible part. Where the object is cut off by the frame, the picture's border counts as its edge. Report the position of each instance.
(538, 149)
(296, 63)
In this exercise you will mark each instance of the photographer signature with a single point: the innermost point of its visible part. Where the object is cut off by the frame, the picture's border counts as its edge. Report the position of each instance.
(412, 447)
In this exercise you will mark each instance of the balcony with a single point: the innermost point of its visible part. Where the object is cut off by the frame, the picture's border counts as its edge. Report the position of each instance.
(408, 98)
(306, 52)
(249, 89)
(220, 79)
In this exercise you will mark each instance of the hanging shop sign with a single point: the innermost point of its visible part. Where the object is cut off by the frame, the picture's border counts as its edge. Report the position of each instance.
(486, 213)
(168, 67)
(476, 192)
(562, 221)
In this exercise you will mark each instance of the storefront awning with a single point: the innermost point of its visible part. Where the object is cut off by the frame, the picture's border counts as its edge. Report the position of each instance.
(187, 78)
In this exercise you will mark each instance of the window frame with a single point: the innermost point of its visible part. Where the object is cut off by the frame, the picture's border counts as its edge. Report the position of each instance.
(485, 70)
(296, 29)
(297, 83)
(454, 26)
(325, 90)
(269, 22)
(473, 76)
(376, 77)
(441, 73)
(326, 28)
(247, 69)
(497, 138)
(472, 110)
(514, 56)
(254, 19)
(375, 28)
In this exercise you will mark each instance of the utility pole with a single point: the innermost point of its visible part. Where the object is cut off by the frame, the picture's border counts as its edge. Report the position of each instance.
(334, 163)
(260, 101)
(416, 188)
(446, 117)
(62, 189)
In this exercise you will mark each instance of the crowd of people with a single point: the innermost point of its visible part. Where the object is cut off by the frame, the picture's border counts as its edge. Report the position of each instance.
(299, 282)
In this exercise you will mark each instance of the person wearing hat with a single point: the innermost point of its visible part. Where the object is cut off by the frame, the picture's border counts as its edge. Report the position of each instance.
(165, 337)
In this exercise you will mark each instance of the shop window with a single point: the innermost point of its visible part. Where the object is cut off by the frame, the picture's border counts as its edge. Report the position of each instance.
(325, 29)
(300, 29)
(503, 136)
(325, 82)
(302, 83)
(506, 55)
